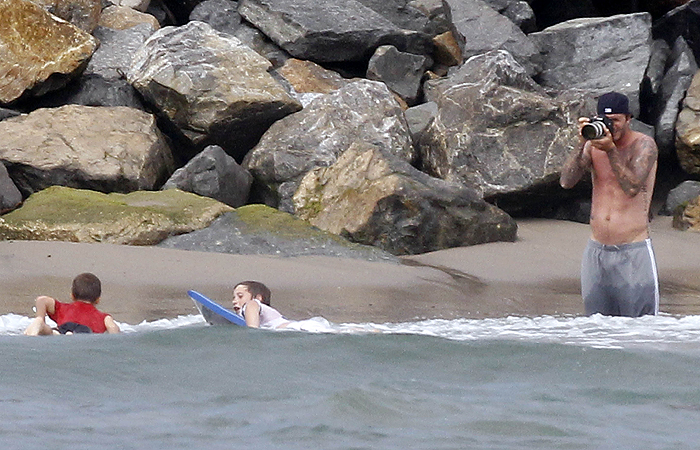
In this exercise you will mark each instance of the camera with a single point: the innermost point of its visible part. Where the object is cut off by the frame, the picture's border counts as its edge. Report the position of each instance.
(595, 129)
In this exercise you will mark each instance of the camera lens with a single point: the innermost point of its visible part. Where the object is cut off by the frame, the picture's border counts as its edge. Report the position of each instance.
(593, 130)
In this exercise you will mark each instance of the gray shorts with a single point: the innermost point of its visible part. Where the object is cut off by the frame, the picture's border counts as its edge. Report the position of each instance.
(620, 280)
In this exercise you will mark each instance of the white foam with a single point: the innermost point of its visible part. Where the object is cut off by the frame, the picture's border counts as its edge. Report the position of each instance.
(162, 324)
(13, 324)
(594, 331)
(663, 331)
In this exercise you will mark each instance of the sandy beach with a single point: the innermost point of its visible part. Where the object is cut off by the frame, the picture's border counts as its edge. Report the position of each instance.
(536, 275)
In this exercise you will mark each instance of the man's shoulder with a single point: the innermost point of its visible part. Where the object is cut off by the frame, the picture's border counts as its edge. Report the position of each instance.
(638, 135)
(643, 142)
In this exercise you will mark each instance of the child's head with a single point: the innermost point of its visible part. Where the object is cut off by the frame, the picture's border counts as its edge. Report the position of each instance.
(86, 287)
(257, 289)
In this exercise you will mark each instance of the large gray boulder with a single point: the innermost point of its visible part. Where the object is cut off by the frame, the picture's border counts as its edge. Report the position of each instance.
(221, 15)
(478, 29)
(117, 48)
(94, 90)
(680, 196)
(419, 117)
(7, 113)
(653, 77)
(404, 14)
(212, 87)
(10, 197)
(214, 174)
(329, 31)
(671, 93)
(518, 11)
(434, 10)
(263, 45)
(84, 14)
(363, 111)
(497, 131)
(597, 54)
(103, 81)
(681, 21)
(109, 149)
(688, 129)
(261, 230)
(48, 59)
(401, 72)
(375, 198)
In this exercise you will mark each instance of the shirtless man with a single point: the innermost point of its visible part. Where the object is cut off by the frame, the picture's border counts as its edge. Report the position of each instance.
(618, 272)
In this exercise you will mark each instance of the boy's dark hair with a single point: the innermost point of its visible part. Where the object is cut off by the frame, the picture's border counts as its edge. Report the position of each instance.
(257, 288)
(87, 287)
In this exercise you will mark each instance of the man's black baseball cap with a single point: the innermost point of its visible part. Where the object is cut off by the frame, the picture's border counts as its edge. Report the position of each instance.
(613, 103)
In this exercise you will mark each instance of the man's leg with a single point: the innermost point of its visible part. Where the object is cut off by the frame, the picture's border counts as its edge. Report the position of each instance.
(596, 299)
(639, 291)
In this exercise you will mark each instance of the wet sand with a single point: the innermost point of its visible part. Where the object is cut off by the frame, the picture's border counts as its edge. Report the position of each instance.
(536, 275)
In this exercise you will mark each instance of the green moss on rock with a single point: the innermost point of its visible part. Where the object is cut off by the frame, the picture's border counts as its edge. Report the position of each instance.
(261, 230)
(261, 219)
(271, 220)
(137, 218)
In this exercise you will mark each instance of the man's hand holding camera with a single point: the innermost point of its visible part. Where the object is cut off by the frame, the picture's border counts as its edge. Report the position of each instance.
(597, 131)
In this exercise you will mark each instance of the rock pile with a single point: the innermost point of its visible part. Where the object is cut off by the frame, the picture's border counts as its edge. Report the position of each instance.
(409, 125)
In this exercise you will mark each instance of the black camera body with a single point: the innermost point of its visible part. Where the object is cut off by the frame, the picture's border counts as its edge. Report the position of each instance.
(595, 129)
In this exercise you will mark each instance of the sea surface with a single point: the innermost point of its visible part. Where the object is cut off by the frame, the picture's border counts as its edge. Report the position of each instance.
(510, 383)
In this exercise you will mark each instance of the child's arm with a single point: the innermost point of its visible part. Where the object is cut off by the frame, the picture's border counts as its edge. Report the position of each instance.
(111, 325)
(44, 305)
(252, 314)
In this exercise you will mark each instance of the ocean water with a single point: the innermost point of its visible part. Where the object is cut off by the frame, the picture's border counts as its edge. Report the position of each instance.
(510, 383)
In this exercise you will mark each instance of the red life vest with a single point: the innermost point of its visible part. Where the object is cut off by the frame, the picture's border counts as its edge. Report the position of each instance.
(79, 312)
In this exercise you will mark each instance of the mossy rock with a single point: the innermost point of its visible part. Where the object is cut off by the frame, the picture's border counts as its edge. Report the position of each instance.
(138, 218)
(261, 218)
(262, 230)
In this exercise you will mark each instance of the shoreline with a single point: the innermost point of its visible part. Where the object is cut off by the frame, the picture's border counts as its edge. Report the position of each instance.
(534, 276)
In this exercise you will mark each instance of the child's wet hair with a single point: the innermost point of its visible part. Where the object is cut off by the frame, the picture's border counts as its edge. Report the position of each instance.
(87, 287)
(257, 288)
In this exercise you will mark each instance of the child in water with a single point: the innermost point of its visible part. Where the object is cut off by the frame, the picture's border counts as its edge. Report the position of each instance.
(79, 316)
(251, 299)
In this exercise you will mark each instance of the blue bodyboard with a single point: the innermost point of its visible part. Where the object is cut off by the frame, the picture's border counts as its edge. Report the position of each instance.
(214, 313)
